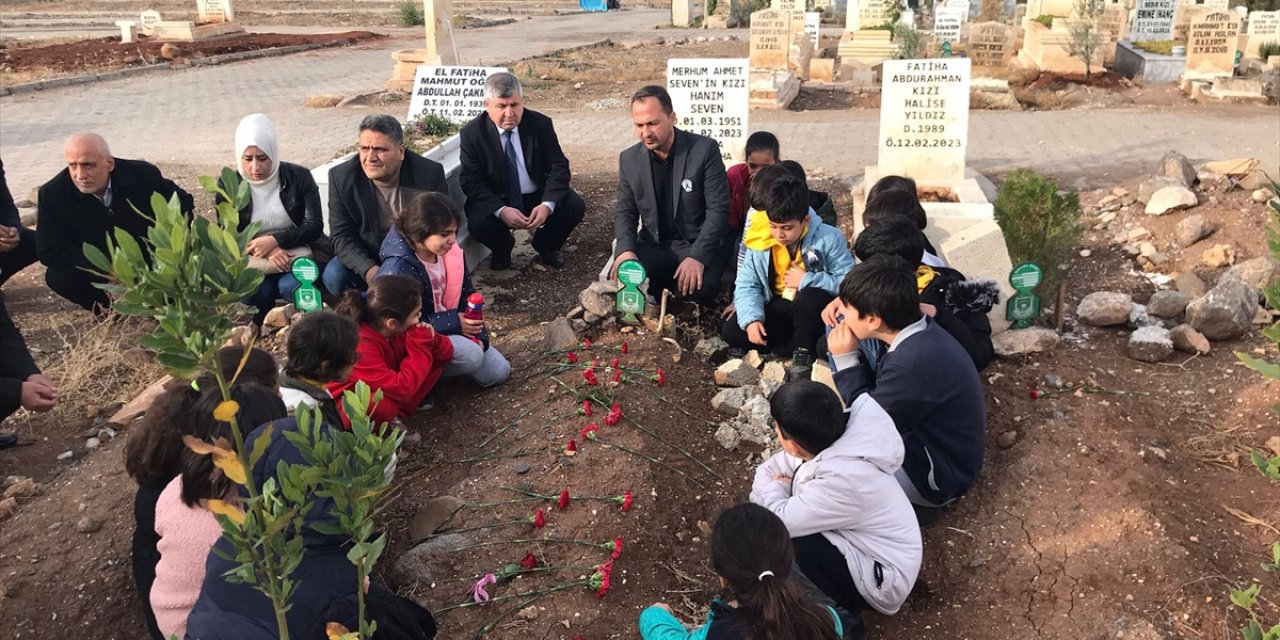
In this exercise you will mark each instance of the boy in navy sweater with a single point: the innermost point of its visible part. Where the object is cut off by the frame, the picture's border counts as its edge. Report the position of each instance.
(925, 381)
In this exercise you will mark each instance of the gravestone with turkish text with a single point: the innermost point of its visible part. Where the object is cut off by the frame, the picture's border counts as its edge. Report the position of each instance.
(924, 119)
(148, 20)
(712, 98)
(1264, 26)
(770, 39)
(1153, 20)
(959, 5)
(453, 93)
(1211, 44)
(793, 8)
(1184, 14)
(813, 26)
(214, 11)
(873, 13)
(990, 48)
(946, 26)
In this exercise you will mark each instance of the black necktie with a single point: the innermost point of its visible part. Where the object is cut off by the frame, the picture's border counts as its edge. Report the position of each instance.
(514, 199)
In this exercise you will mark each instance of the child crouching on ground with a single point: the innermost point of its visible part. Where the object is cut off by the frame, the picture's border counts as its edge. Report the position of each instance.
(793, 267)
(752, 554)
(423, 245)
(925, 381)
(321, 350)
(855, 535)
(398, 355)
(897, 196)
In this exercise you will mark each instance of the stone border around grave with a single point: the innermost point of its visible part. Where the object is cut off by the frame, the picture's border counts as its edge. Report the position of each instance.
(58, 83)
(1146, 67)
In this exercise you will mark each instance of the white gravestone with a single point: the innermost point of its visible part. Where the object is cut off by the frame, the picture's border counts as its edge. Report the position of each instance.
(924, 119)
(1153, 20)
(212, 11)
(946, 26)
(148, 20)
(960, 5)
(812, 26)
(1264, 26)
(712, 98)
(453, 93)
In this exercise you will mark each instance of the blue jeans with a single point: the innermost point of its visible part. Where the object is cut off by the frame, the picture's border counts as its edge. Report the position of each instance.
(338, 278)
(273, 287)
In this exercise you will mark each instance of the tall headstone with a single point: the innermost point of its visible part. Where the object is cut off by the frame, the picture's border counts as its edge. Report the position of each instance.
(712, 98)
(681, 13)
(1211, 44)
(866, 14)
(1153, 20)
(947, 23)
(813, 27)
(770, 39)
(958, 5)
(794, 9)
(1264, 26)
(1115, 21)
(924, 119)
(990, 48)
(453, 93)
(438, 25)
(214, 11)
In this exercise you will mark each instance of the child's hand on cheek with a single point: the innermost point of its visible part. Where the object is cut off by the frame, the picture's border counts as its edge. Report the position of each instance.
(842, 339)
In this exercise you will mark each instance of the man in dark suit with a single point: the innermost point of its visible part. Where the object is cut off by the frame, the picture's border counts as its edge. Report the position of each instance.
(673, 186)
(21, 383)
(366, 194)
(516, 177)
(95, 196)
(17, 243)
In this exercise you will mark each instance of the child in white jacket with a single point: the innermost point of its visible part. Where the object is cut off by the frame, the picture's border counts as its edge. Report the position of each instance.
(855, 534)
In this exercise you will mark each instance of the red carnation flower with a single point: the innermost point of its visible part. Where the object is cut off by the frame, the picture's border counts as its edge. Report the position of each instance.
(586, 343)
(625, 348)
(572, 447)
(563, 502)
(615, 362)
(539, 519)
(616, 545)
(589, 431)
(572, 357)
(617, 377)
(1035, 394)
(590, 376)
(529, 561)
(586, 408)
(660, 377)
(624, 500)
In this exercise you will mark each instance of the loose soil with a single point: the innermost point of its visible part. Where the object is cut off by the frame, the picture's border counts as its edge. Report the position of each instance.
(31, 63)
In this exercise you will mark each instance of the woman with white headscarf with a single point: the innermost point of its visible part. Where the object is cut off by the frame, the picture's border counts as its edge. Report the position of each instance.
(285, 204)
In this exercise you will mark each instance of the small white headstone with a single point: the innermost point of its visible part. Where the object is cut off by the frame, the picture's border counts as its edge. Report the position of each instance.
(946, 26)
(1264, 26)
(813, 26)
(712, 98)
(960, 5)
(770, 39)
(214, 11)
(794, 9)
(924, 119)
(1153, 20)
(453, 93)
(148, 20)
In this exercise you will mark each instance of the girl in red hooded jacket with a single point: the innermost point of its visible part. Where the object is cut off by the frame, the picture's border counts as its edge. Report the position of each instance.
(398, 355)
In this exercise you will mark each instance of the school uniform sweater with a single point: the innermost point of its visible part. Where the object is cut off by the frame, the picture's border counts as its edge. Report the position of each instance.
(928, 384)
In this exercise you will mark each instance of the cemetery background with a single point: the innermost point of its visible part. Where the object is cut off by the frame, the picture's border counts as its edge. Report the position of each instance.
(1101, 514)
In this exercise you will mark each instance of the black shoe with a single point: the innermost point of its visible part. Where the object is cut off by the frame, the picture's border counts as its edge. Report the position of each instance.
(499, 263)
(553, 259)
(801, 365)
(8, 440)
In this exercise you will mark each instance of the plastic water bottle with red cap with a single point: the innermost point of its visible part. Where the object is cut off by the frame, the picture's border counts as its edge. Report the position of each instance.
(475, 311)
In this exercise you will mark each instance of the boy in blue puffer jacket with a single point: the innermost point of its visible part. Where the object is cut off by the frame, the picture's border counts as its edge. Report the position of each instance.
(792, 268)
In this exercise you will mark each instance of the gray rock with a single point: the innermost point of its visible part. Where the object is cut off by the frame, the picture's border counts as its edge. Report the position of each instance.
(1260, 195)
(753, 359)
(89, 524)
(709, 347)
(1187, 340)
(65, 455)
(1192, 229)
(736, 373)
(415, 565)
(768, 387)
(591, 318)
(1255, 272)
(1176, 165)
(1190, 284)
(1225, 312)
(595, 302)
(1007, 439)
(1167, 303)
(728, 437)
(579, 325)
(755, 421)
(559, 335)
(1219, 255)
(433, 515)
(1155, 184)
(522, 468)
(730, 400)
(1150, 344)
(1138, 317)
(1105, 308)
(1169, 199)
(1019, 342)
(774, 372)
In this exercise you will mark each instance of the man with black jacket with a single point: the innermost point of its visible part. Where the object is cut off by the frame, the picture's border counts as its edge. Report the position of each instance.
(95, 196)
(17, 243)
(21, 383)
(516, 177)
(365, 197)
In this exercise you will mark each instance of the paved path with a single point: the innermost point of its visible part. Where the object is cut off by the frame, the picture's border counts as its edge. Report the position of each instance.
(185, 119)
(188, 117)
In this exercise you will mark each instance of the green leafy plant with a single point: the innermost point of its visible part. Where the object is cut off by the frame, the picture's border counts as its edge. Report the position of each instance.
(1046, 20)
(1268, 49)
(410, 13)
(1158, 47)
(740, 11)
(908, 41)
(1039, 222)
(711, 7)
(430, 124)
(1271, 292)
(1087, 36)
(893, 13)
